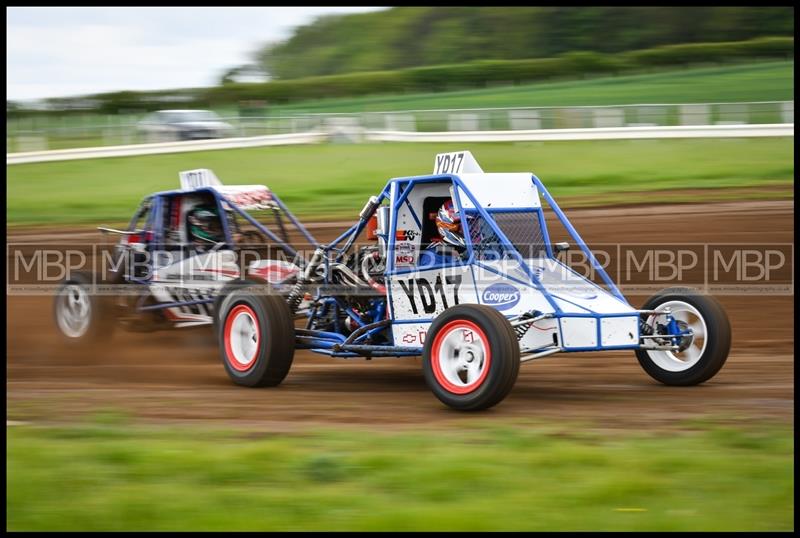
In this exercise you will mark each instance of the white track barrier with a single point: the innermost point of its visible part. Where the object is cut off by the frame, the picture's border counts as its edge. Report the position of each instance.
(598, 133)
(166, 147)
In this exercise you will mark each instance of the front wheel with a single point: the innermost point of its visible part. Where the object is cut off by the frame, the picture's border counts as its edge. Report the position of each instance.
(705, 342)
(256, 337)
(471, 357)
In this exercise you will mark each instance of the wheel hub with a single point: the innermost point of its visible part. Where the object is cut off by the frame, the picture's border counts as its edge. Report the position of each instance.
(462, 357)
(242, 337)
(687, 338)
(74, 311)
(688, 323)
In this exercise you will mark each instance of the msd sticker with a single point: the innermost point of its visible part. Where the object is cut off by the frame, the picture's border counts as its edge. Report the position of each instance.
(501, 296)
(405, 253)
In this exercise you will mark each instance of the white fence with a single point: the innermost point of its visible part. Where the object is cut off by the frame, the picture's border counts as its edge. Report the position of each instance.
(581, 117)
(600, 133)
(167, 147)
(620, 133)
(767, 118)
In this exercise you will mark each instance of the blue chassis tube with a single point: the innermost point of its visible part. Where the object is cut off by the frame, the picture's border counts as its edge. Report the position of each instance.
(321, 340)
(334, 341)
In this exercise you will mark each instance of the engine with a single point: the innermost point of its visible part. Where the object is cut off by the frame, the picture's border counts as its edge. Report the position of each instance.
(352, 291)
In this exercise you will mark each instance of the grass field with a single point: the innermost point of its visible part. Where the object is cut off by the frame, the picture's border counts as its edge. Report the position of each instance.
(329, 181)
(510, 477)
(767, 81)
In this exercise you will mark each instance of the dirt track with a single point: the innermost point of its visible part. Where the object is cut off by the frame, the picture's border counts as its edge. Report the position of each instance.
(177, 376)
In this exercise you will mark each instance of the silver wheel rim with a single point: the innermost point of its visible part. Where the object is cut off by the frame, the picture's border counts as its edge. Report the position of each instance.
(244, 338)
(680, 361)
(461, 361)
(73, 311)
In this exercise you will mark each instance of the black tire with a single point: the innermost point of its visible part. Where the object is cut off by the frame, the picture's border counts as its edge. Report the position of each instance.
(100, 318)
(274, 333)
(496, 379)
(717, 338)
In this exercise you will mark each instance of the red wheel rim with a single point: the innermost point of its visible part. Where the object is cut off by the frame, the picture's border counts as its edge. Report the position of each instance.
(241, 325)
(451, 352)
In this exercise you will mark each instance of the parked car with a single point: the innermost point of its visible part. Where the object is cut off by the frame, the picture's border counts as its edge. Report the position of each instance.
(184, 125)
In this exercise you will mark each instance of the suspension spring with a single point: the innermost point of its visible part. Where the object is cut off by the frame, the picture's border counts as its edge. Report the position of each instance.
(295, 296)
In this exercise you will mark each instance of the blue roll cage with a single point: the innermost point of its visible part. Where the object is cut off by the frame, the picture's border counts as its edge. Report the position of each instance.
(398, 189)
(356, 344)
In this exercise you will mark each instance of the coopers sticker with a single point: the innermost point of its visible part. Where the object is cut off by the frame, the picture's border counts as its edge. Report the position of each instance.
(501, 296)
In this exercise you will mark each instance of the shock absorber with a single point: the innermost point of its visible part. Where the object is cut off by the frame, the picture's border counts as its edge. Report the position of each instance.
(295, 296)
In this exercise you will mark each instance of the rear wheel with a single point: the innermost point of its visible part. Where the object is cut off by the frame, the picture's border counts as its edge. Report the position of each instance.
(81, 316)
(703, 349)
(471, 357)
(256, 337)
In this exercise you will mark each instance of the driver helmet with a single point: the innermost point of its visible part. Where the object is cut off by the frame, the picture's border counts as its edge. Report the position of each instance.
(204, 224)
(448, 222)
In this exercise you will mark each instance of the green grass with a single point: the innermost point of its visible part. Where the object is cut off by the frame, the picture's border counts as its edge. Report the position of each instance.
(510, 477)
(769, 81)
(324, 181)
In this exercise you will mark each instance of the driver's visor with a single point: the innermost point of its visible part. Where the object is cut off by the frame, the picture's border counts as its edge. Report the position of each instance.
(453, 227)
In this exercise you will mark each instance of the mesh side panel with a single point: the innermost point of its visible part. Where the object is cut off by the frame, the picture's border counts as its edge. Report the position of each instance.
(522, 230)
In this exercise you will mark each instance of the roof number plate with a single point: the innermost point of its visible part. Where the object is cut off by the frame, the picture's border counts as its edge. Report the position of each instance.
(202, 177)
(458, 162)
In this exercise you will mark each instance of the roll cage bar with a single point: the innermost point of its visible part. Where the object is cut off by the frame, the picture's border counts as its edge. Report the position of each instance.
(396, 192)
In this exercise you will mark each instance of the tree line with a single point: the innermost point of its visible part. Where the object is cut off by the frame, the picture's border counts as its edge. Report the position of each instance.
(406, 37)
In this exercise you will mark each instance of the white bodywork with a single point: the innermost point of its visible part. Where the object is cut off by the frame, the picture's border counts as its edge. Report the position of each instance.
(587, 317)
(201, 276)
(494, 191)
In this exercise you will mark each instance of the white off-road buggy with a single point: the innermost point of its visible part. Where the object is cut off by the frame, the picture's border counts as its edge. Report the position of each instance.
(504, 299)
